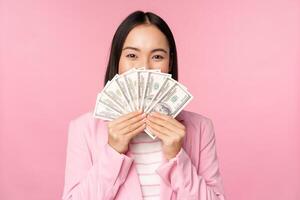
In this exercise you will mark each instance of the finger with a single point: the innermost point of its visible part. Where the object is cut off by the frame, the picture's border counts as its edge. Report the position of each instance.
(129, 122)
(136, 131)
(159, 128)
(161, 136)
(163, 123)
(131, 127)
(124, 117)
(167, 117)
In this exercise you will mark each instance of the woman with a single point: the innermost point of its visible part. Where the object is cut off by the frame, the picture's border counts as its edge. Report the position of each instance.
(117, 160)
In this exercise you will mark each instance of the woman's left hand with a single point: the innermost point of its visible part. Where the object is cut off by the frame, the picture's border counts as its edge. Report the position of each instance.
(169, 130)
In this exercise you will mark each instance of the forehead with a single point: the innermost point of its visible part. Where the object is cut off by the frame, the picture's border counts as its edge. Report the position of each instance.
(146, 37)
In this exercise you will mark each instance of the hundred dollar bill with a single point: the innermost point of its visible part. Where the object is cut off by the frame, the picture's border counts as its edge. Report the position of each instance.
(105, 109)
(122, 85)
(131, 79)
(171, 103)
(155, 81)
(142, 79)
(114, 92)
(168, 83)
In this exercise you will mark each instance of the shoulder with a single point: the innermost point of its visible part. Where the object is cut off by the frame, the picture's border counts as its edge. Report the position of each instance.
(198, 126)
(194, 118)
(199, 130)
(85, 128)
(83, 118)
(85, 122)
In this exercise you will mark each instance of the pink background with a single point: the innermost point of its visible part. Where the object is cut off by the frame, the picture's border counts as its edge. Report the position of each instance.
(240, 60)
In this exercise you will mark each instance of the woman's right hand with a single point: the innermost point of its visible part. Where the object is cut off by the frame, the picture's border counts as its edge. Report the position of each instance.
(124, 128)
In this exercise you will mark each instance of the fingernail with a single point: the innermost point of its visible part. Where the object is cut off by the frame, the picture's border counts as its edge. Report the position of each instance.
(144, 114)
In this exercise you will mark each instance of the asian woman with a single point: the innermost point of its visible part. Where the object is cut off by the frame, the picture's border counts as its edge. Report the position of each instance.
(117, 160)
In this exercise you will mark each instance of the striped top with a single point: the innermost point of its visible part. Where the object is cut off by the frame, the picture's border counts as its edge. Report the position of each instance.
(147, 155)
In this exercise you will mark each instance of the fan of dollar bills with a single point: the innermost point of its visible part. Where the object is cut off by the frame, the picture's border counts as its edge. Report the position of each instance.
(140, 88)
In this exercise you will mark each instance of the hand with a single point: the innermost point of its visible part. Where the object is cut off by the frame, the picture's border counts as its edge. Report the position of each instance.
(169, 130)
(124, 128)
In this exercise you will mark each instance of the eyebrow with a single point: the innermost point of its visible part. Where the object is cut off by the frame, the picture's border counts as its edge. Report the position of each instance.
(153, 50)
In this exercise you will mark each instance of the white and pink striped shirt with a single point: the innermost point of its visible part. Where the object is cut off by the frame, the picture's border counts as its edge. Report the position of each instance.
(147, 155)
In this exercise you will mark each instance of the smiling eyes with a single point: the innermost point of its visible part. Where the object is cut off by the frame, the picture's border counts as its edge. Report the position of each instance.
(133, 56)
(130, 55)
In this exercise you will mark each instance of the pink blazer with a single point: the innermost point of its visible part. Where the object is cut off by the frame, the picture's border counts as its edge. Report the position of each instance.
(95, 171)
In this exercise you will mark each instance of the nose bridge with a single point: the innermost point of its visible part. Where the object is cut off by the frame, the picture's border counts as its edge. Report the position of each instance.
(146, 62)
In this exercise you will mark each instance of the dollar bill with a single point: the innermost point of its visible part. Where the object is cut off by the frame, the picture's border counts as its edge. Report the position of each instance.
(114, 92)
(142, 79)
(155, 80)
(131, 79)
(171, 103)
(124, 89)
(166, 86)
(105, 108)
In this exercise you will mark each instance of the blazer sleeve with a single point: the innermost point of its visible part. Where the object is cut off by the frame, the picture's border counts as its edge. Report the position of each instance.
(85, 180)
(186, 180)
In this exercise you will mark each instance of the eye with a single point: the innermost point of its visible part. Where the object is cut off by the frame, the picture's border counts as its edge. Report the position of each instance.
(158, 57)
(131, 55)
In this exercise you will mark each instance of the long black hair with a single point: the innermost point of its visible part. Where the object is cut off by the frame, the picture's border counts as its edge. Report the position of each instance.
(134, 19)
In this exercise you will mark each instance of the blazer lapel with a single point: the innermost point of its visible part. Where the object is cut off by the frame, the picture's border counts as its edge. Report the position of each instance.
(165, 190)
(132, 182)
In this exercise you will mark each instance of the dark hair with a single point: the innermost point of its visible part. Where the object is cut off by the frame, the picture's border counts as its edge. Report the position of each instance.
(131, 21)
